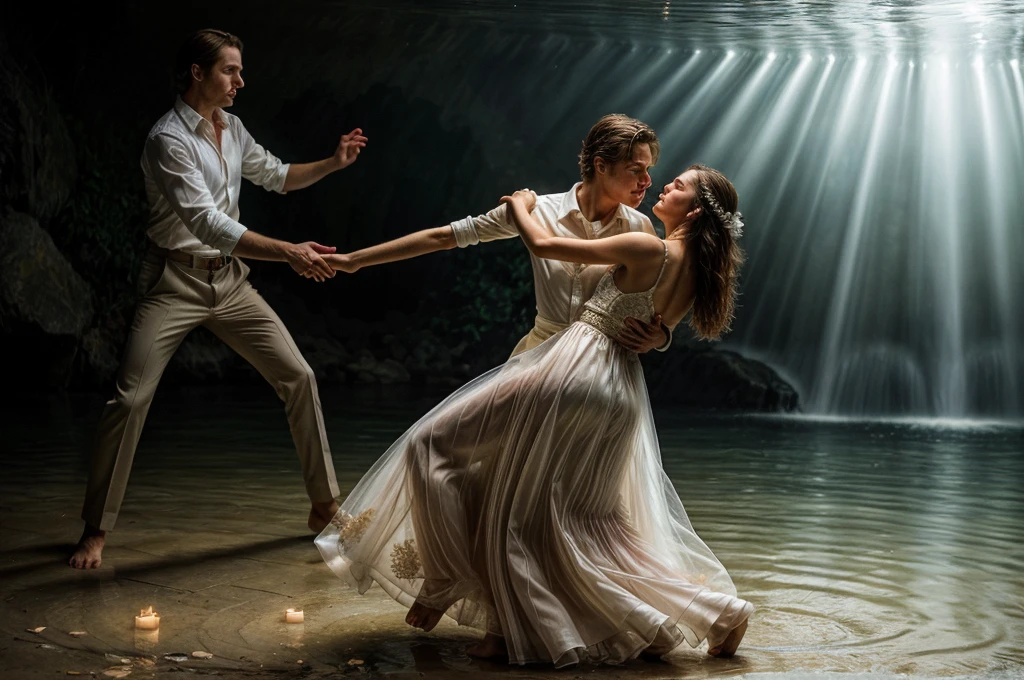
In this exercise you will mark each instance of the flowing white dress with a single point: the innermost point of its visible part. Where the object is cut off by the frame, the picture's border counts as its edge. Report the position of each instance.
(532, 504)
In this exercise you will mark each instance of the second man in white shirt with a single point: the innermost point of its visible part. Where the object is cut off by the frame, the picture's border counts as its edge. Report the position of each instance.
(194, 159)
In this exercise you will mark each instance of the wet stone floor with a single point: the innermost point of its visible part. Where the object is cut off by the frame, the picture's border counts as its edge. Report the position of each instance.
(870, 550)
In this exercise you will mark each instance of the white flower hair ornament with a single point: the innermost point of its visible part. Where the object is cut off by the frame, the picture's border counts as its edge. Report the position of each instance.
(730, 221)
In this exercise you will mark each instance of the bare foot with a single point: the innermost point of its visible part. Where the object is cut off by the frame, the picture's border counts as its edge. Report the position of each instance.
(320, 515)
(488, 648)
(89, 552)
(421, 616)
(731, 642)
(663, 643)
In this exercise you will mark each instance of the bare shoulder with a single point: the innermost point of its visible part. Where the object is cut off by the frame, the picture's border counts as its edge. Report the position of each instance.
(643, 245)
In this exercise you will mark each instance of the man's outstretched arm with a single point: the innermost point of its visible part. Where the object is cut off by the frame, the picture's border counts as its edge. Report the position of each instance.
(305, 258)
(460, 233)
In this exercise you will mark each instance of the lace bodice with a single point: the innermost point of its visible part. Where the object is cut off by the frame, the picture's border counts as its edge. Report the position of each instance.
(609, 307)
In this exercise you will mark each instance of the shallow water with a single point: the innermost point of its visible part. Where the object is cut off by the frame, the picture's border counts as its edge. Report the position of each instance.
(850, 24)
(868, 547)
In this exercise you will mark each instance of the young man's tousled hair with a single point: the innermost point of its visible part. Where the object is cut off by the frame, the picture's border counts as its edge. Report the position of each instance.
(613, 138)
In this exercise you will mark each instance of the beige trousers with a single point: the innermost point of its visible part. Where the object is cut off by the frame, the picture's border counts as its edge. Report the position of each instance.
(174, 299)
(541, 331)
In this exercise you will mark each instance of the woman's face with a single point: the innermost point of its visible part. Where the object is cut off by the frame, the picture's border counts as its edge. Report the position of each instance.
(677, 199)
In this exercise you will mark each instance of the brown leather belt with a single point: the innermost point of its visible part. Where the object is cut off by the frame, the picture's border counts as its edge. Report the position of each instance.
(195, 261)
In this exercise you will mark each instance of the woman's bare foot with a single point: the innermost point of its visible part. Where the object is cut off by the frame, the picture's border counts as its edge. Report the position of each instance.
(422, 616)
(320, 515)
(89, 552)
(662, 645)
(488, 648)
(731, 642)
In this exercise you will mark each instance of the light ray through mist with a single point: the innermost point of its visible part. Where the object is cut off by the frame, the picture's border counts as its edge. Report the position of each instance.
(852, 250)
(879, 172)
(760, 156)
(883, 224)
(723, 135)
(781, 115)
(996, 227)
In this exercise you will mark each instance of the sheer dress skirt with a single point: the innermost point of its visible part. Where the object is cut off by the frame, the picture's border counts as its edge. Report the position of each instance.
(532, 504)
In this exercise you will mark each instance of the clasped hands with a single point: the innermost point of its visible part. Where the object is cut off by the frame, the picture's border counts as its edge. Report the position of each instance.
(307, 260)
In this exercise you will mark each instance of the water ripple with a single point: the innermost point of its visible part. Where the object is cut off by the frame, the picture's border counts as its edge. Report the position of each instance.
(881, 548)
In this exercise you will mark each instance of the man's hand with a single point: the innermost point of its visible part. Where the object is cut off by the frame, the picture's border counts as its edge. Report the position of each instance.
(349, 148)
(525, 196)
(641, 337)
(305, 259)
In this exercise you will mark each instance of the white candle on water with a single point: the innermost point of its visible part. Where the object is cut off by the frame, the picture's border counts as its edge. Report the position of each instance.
(293, 616)
(147, 619)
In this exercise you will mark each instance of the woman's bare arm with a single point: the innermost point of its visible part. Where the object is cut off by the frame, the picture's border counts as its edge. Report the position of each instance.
(627, 249)
(404, 248)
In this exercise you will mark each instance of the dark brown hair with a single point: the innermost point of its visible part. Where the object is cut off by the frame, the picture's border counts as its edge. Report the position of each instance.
(719, 255)
(613, 138)
(202, 48)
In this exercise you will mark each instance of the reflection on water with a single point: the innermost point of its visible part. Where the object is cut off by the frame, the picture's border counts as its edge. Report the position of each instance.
(837, 24)
(867, 547)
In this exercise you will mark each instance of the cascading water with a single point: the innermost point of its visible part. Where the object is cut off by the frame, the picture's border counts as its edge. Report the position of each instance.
(878, 149)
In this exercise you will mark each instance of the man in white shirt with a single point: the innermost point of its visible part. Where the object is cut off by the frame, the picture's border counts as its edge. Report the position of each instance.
(193, 162)
(615, 164)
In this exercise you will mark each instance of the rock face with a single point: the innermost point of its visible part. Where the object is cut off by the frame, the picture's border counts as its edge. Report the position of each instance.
(99, 357)
(701, 377)
(44, 304)
(46, 310)
(357, 352)
(37, 156)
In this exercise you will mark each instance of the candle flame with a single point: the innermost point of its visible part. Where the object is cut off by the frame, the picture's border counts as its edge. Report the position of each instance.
(148, 611)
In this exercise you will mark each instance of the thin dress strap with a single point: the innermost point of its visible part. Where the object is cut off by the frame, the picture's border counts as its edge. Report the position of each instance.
(663, 263)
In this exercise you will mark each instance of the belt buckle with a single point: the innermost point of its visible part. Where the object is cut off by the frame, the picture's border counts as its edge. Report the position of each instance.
(210, 264)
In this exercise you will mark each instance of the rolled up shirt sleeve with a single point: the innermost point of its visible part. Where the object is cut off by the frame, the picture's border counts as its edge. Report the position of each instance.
(489, 227)
(259, 166)
(182, 184)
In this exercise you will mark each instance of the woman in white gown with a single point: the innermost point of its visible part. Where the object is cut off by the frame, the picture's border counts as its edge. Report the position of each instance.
(532, 503)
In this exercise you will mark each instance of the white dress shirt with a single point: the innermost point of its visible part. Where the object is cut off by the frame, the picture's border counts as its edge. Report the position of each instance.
(192, 183)
(561, 287)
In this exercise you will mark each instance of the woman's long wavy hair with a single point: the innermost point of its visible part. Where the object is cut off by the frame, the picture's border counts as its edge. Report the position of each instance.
(719, 256)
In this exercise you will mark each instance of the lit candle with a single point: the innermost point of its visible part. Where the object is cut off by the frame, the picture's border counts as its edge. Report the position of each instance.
(146, 640)
(293, 616)
(147, 619)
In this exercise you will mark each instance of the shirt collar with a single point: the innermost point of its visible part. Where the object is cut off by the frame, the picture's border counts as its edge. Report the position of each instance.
(621, 213)
(192, 118)
(570, 206)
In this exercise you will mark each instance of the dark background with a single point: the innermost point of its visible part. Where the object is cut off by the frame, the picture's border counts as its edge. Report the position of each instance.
(460, 105)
